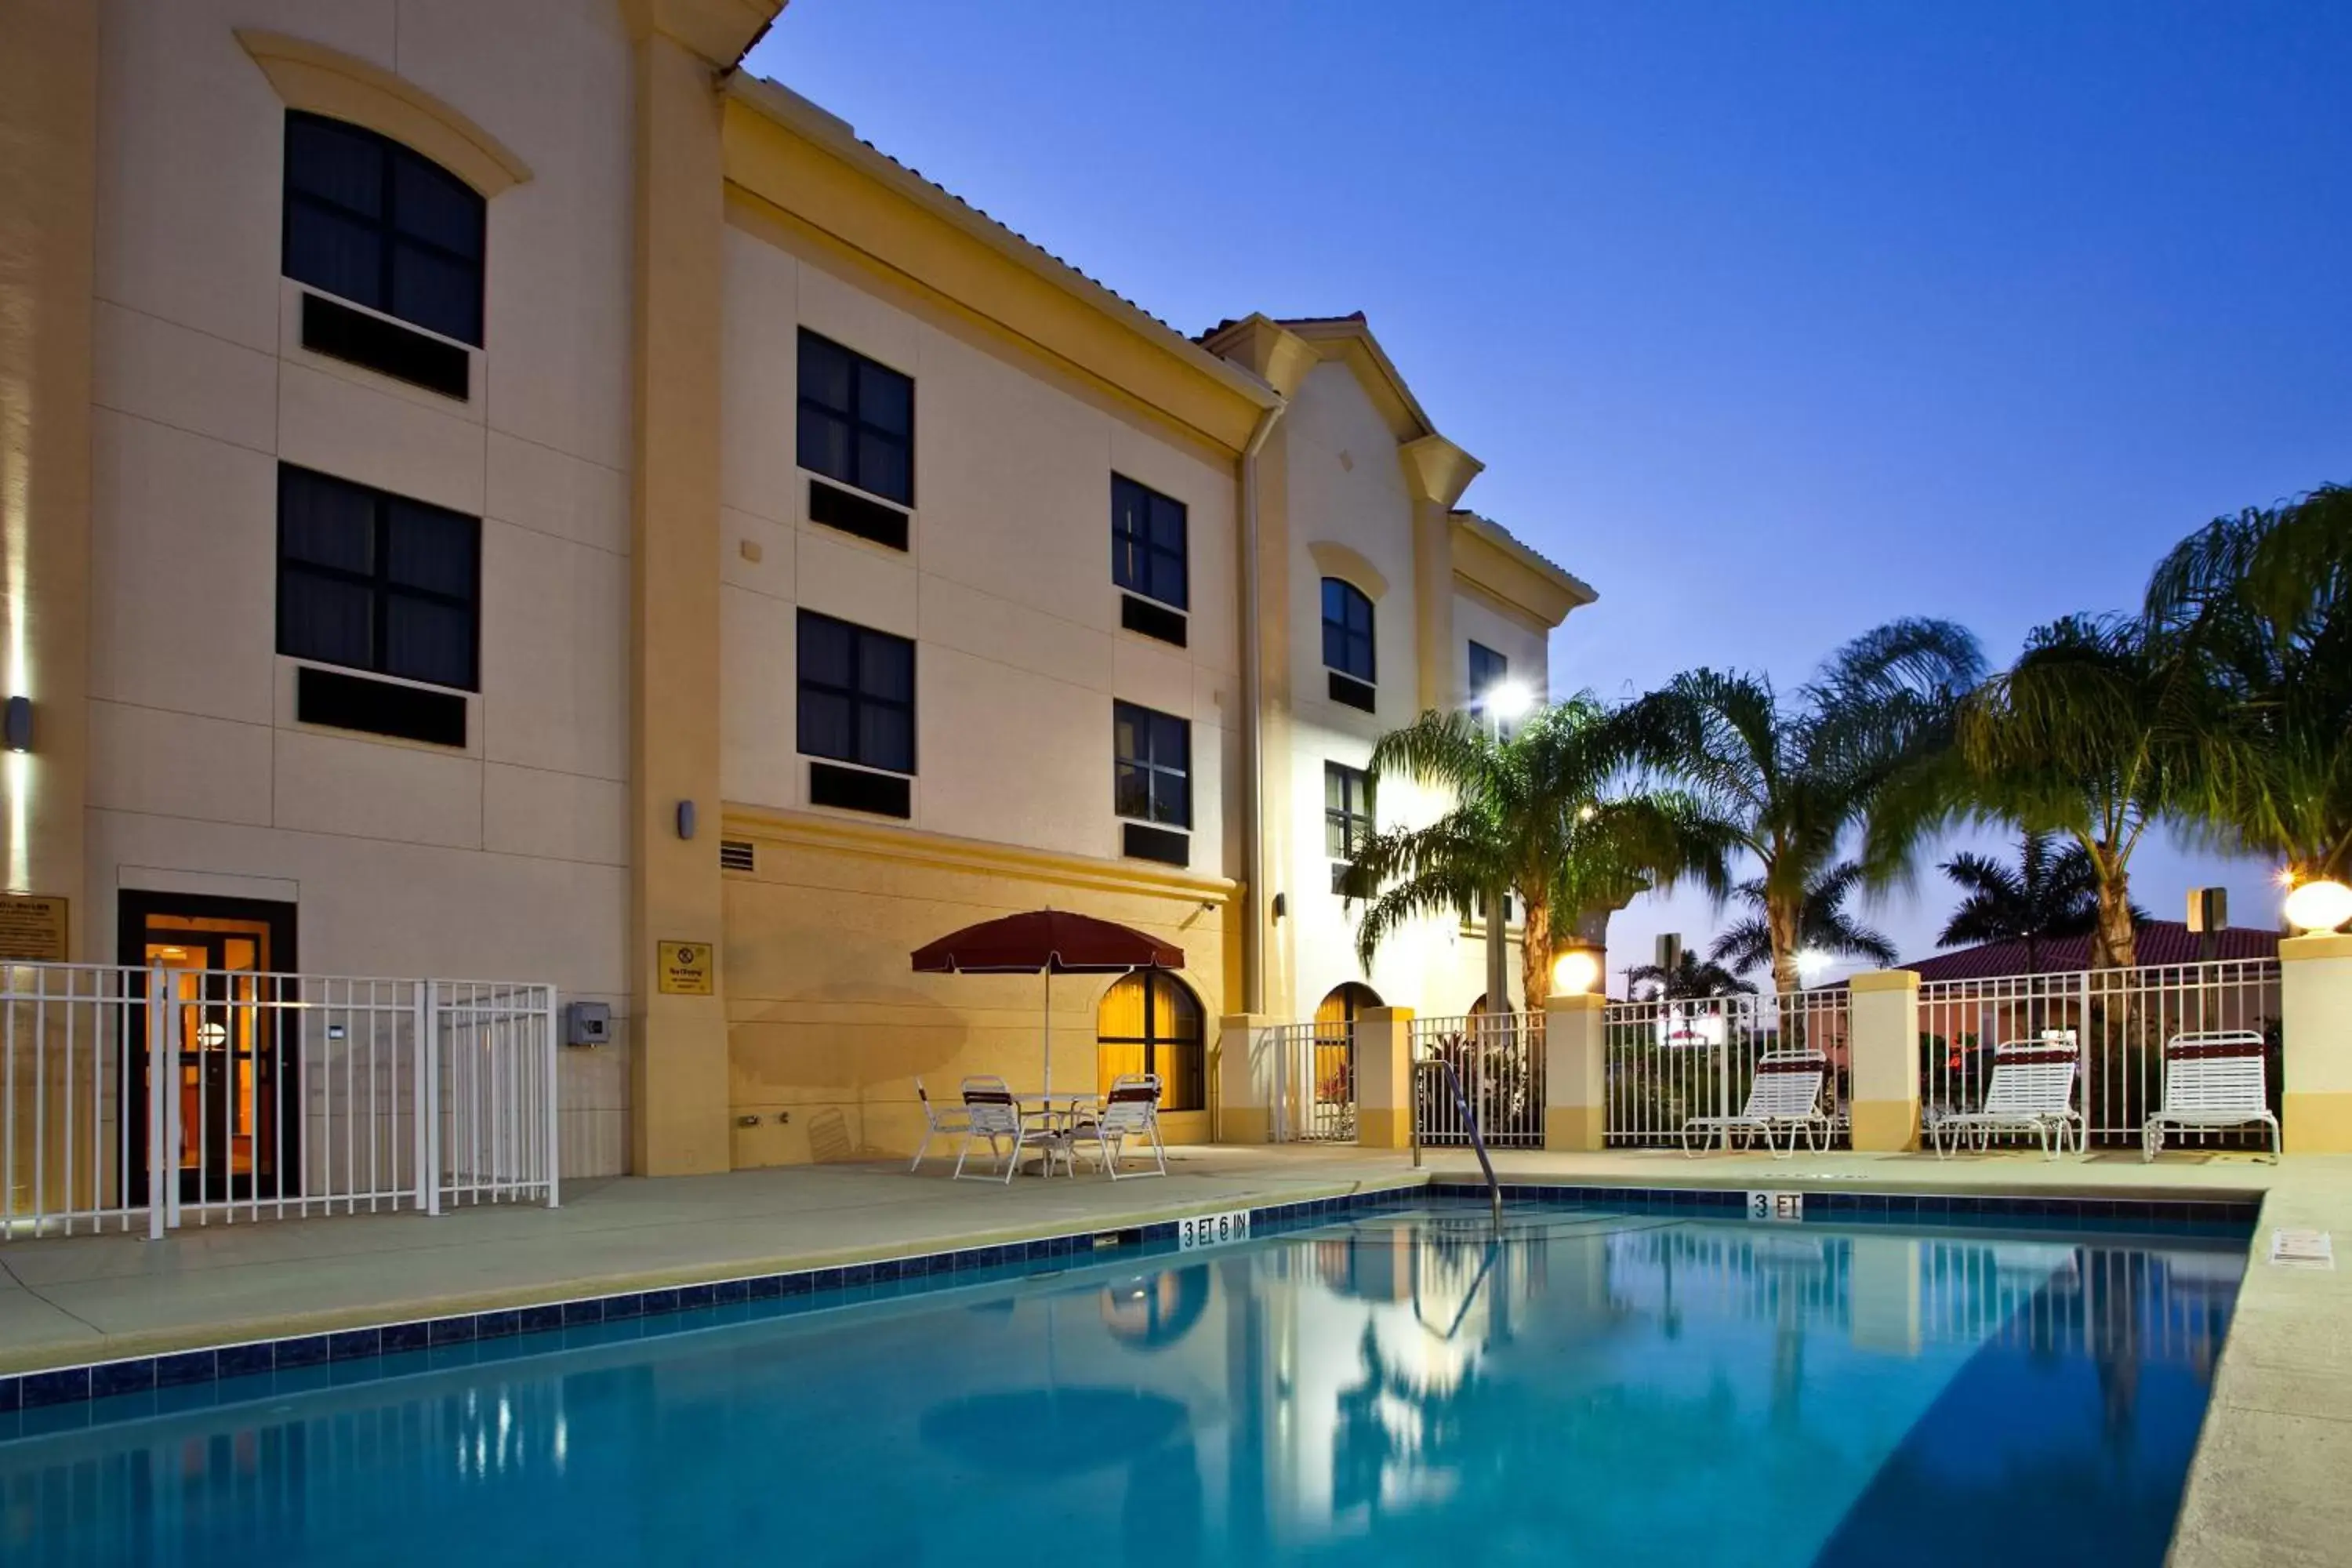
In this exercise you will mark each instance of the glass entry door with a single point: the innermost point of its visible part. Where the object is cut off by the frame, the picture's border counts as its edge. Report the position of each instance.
(237, 1100)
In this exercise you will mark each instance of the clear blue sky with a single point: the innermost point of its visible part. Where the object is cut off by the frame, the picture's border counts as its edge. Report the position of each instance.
(1770, 321)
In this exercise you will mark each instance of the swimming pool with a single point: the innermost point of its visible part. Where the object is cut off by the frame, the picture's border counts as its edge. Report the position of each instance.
(1594, 1385)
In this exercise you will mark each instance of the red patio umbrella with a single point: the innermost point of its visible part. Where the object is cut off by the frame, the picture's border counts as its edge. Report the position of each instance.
(1047, 942)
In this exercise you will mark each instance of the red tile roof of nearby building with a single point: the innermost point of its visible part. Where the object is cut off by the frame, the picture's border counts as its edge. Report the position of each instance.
(2158, 942)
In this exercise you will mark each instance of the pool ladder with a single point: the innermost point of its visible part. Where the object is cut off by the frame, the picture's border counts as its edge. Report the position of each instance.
(1469, 1119)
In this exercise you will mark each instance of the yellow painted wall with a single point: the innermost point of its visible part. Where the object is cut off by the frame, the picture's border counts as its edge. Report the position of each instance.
(828, 1026)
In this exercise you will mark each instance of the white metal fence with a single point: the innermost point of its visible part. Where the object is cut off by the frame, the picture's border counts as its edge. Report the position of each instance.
(2116, 1019)
(1499, 1059)
(162, 1097)
(1668, 1061)
(1314, 1073)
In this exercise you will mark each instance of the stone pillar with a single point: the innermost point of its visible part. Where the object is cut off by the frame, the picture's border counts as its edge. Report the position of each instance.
(1384, 1078)
(1576, 1079)
(1244, 1080)
(2316, 1022)
(1882, 1055)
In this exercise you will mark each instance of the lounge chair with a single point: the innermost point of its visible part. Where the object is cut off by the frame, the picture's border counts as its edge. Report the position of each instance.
(937, 1123)
(2032, 1090)
(1786, 1096)
(991, 1112)
(1131, 1111)
(2211, 1079)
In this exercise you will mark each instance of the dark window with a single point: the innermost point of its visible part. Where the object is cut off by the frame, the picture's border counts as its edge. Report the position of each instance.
(386, 347)
(856, 420)
(1355, 693)
(1147, 542)
(1347, 630)
(855, 789)
(378, 225)
(378, 707)
(376, 580)
(1154, 773)
(1138, 842)
(853, 513)
(1148, 1022)
(1347, 811)
(1488, 670)
(857, 694)
(1152, 620)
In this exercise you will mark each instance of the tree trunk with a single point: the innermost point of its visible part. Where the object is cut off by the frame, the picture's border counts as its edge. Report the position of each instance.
(1783, 920)
(2113, 944)
(1535, 954)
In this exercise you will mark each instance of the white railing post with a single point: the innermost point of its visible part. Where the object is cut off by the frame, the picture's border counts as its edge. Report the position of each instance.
(158, 1122)
(429, 1093)
(420, 1071)
(551, 1056)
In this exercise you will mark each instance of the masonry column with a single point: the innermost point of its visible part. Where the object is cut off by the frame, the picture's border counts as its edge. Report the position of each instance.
(1384, 1078)
(2315, 1024)
(678, 1049)
(1245, 1080)
(49, 125)
(1576, 1082)
(1882, 1051)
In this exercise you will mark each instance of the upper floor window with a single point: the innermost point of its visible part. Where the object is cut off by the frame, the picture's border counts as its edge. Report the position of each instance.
(1146, 542)
(377, 582)
(857, 694)
(1488, 670)
(1347, 817)
(856, 420)
(1153, 782)
(1347, 630)
(376, 224)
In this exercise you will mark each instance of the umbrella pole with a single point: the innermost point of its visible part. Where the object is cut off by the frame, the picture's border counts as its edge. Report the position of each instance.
(1049, 1028)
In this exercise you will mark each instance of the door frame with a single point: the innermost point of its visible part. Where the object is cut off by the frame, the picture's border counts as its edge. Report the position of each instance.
(134, 907)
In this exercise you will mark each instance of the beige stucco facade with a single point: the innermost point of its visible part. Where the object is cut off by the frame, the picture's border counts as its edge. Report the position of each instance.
(660, 229)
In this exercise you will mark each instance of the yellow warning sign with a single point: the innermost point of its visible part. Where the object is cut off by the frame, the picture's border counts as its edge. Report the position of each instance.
(33, 928)
(685, 968)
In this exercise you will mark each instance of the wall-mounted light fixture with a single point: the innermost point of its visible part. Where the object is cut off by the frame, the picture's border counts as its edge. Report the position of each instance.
(686, 819)
(19, 724)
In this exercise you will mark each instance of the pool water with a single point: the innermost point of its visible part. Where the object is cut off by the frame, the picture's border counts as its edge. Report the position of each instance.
(1590, 1387)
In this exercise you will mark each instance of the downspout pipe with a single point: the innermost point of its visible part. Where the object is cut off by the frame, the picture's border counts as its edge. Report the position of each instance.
(1253, 723)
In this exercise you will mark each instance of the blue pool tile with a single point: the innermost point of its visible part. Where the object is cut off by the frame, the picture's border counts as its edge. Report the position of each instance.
(187, 1366)
(501, 1325)
(575, 1313)
(659, 1301)
(800, 1284)
(452, 1330)
(857, 1274)
(12, 1394)
(823, 1278)
(68, 1385)
(350, 1343)
(115, 1377)
(538, 1319)
(394, 1338)
(243, 1361)
(311, 1350)
(628, 1304)
(727, 1292)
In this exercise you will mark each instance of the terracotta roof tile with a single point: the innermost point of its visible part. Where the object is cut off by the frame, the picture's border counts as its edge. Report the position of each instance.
(2158, 944)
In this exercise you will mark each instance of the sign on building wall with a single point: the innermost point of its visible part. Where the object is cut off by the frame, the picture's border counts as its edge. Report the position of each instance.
(685, 968)
(33, 928)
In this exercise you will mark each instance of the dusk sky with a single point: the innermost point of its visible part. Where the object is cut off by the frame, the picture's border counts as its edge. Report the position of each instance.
(1771, 321)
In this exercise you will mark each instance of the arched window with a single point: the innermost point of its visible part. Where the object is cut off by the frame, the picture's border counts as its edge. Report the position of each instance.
(1347, 630)
(1149, 1021)
(372, 222)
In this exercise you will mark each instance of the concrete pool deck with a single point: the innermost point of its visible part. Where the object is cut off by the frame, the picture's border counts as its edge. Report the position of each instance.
(2266, 1485)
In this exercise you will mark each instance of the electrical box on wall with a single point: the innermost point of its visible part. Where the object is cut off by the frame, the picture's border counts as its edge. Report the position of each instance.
(587, 1023)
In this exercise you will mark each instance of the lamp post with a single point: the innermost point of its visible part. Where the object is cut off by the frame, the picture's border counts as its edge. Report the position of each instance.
(1504, 701)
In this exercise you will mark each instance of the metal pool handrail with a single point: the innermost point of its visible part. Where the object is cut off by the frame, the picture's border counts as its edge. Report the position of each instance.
(1469, 1120)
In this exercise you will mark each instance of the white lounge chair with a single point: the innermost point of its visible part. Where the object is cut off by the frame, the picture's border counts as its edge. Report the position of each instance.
(991, 1112)
(2211, 1079)
(1785, 1098)
(937, 1123)
(1131, 1111)
(2032, 1090)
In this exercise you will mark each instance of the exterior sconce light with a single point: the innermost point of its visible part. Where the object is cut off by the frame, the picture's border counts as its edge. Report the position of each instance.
(686, 819)
(19, 724)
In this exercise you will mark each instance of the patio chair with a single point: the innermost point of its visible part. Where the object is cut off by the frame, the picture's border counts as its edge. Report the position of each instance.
(1785, 1098)
(937, 1123)
(2032, 1090)
(991, 1112)
(1131, 1110)
(2211, 1079)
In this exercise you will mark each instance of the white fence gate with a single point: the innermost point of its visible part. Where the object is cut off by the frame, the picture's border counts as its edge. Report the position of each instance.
(1499, 1059)
(162, 1097)
(1668, 1061)
(2116, 1019)
(1314, 1085)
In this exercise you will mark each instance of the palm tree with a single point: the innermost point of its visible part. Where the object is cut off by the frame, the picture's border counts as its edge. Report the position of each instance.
(2103, 727)
(1797, 778)
(2049, 893)
(2263, 602)
(1532, 814)
(1823, 926)
(1691, 979)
